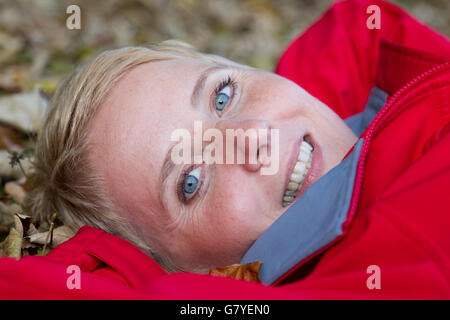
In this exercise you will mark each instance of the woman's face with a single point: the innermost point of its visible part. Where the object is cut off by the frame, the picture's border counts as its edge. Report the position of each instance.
(208, 215)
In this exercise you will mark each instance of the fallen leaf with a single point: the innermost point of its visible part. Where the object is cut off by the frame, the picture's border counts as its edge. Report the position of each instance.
(12, 245)
(7, 212)
(9, 137)
(23, 216)
(24, 111)
(26, 244)
(6, 219)
(9, 209)
(3, 229)
(31, 230)
(28, 227)
(13, 78)
(248, 272)
(9, 46)
(43, 226)
(15, 191)
(60, 235)
(18, 225)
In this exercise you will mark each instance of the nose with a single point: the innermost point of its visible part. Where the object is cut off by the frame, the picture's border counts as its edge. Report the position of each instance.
(244, 140)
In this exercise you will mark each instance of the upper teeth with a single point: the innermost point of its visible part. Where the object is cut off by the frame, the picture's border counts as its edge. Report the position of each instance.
(299, 173)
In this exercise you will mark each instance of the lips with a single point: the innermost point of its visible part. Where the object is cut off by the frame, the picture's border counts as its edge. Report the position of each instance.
(304, 169)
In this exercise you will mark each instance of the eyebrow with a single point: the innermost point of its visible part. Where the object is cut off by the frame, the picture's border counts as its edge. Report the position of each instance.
(200, 84)
(168, 164)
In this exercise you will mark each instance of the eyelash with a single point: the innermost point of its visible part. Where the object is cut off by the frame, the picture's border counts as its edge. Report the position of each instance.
(180, 184)
(224, 83)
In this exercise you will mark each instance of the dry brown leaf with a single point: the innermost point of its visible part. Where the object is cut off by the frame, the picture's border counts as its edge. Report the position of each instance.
(26, 244)
(44, 226)
(26, 221)
(10, 209)
(23, 216)
(13, 78)
(3, 228)
(9, 137)
(24, 111)
(7, 213)
(12, 245)
(31, 230)
(9, 46)
(15, 191)
(248, 272)
(60, 235)
(18, 225)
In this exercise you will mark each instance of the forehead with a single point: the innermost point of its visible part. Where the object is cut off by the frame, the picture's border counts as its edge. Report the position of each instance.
(131, 132)
(156, 82)
(148, 99)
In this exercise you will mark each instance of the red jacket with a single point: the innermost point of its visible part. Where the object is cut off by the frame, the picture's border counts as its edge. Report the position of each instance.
(399, 212)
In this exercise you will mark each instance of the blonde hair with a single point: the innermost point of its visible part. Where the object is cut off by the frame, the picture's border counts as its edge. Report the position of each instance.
(63, 181)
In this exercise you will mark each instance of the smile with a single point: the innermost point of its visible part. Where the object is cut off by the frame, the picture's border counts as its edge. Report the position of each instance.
(299, 172)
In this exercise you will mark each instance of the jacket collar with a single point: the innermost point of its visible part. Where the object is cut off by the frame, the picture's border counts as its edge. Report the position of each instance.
(398, 65)
(92, 248)
(311, 224)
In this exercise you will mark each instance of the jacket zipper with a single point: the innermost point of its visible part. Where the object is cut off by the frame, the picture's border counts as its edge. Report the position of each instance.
(370, 131)
(361, 165)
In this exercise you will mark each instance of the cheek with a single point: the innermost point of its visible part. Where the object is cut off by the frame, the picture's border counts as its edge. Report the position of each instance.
(236, 212)
(231, 221)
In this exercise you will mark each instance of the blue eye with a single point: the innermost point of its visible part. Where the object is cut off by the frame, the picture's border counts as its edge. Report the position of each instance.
(222, 98)
(189, 185)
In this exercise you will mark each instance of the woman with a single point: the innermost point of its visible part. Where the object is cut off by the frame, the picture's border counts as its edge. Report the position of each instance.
(130, 147)
(350, 197)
